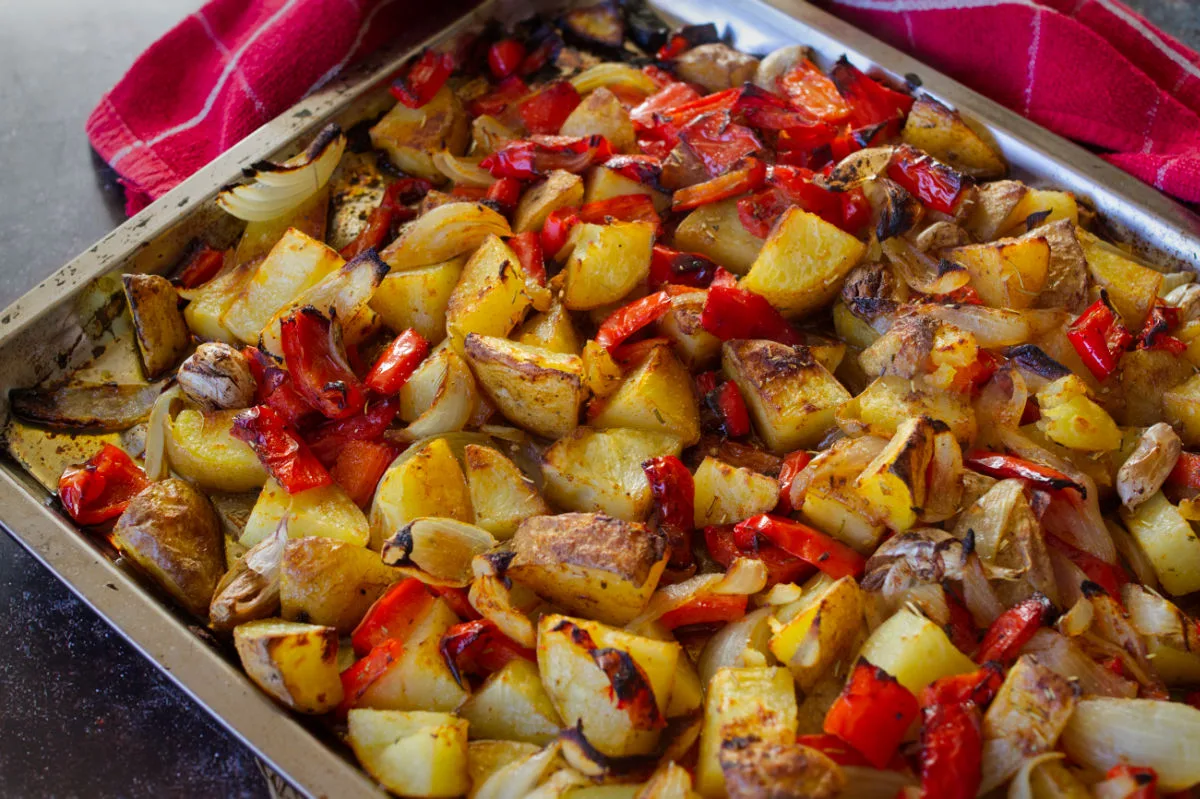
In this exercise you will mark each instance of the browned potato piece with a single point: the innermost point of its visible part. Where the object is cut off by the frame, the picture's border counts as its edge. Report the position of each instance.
(993, 207)
(716, 231)
(293, 662)
(757, 770)
(1138, 369)
(603, 184)
(606, 263)
(331, 582)
(1008, 273)
(601, 112)
(418, 298)
(656, 396)
(589, 563)
(501, 494)
(824, 633)
(171, 532)
(1067, 275)
(1131, 287)
(728, 494)
(681, 324)
(162, 334)
(429, 482)
(551, 330)
(534, 388)
(411, 136)
(944, 134)
(490, 297)
(894, 484)
(716, 66)
(560, 189)
(792, 398)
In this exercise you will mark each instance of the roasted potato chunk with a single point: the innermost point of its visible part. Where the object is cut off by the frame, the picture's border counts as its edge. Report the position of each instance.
(412, 753)
(330, 582)
(887, 402)
(293, 662)
(418, 298)
(1181, 408)
(813, 642)
(729, 494)
(325, 511)
(201, 448)
(171, 533)
(1169, 541)
(944, 134)
(915, 651)
(490, 298)
(601, 112)
(716, 231)
(894, 484)
(604, 184)
(551, 330)
(681, 324)
(606, 263)
(501, 495)
(412, 136)
(601, 470)
(993, 208)
(428, 482)
(716, 66)
(656, 396)
(1131, 287)
(791, 397)
(589, 563)
(161, 332)
(560, 189)
(512, 705)
(757, 770)
(534, 388)
(1008, 273)
(743, 703)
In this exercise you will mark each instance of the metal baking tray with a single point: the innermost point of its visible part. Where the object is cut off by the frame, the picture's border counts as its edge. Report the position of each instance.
(73, 320)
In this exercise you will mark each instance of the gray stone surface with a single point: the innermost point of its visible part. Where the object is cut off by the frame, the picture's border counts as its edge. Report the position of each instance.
(82, 713)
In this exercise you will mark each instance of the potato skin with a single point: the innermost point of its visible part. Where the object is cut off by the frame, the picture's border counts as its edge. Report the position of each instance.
(944, 134)
(162, 334)
(761, 770)
(171, 532)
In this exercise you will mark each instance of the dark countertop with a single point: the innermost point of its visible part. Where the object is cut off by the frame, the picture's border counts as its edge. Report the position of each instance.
(83, 714)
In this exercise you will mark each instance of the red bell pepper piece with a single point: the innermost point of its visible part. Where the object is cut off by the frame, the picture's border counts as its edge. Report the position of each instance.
(1186, 472)
(669, 123)
(733, 313)
(631, 354)
(707, 382)
(357, 679)
(279, 447)
(315, 360)
(459, 601)
(424, 79)
(1193, 699)
(507, 92)
(533, 158)
(547, 110)
(729, 405)
(629, 319)
(505, 57)
(505, 193)
(641, 168)
(971, 377)
(557, 229)
(673, 95)
(1129, 782)
(811, 546)
(1013, 629)
(1108, 576)
(392, 209)
(872, 714)
(201, 267)
(478, 647)
(870, 102)
(782, 567)
(674, 492)
(528, 248)
(327, 440)
(710, 609)
(935, 184)
(719, 142)
(856, 211)
(1156, 333)
(960, 629)
(1099, 337)
(811, 91)
(470, 193)
(360, 466)
(766, 111)
(397, 363)
(676, 45)
(100, 489)
(978, 687)
(793, 464)
(285, 399)
(393, 616)
(951, 751)
(672, 267)
(1000, 466)
(623, 208)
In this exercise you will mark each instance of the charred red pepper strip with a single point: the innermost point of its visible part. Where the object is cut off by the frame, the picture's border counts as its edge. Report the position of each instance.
(811, 546)
(1186, 472)
(793, 464)
(357, 679)
(283, 397)
(392, 616)
(528, 248)
(706, 610)
(1156, 333)
(672, 267)
(279, 447)
(557, 229)
(870, 102)
(623, 208)
(424, 79)
(531, 159)
(676, 45)
(674, 492)
(728, 403)
(733, 313)
(951, 751)
(100, 489)
(478, 647)
(643, 169)
(1001, 466)
(505, 57)
(811, 91)
(507, 92)
(458, 600)
(397, 363)
(673, 95)
(628, 687)
(360, 466)
(627, 320)
(1108, 576)
(719, 142)
(960, 628)
(668, 124)
(872, 714)
(392, 209)
(631, 354)
(1013, 629)
(201, 267)
(979, 687)
(505, 193)
(935, 184)
(782, 567)
(547, 110)
(1129, 782)
(317, 364)
(972, 376)
(1099, 337)
(327, 440)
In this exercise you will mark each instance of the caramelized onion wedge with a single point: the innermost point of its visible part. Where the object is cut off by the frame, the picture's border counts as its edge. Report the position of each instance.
(923, 272)
(1165, 736)
(856, 169)
(250, 590)
(278, 188)
(155, 459)
(613, 74)
(442, 548)
(104, 407)
(744, 577)
(444, 232)
(518, 779)
(463, 171)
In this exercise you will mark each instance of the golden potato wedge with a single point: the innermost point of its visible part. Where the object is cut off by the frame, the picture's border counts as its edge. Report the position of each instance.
(413, 753)
(330, 582)
(993, 208)
(743, 702)
(828, 502)
(552, 330)
(604, 184)
(579, 661)
(656, 396)
(490, 298)
(427, 482)
(201, 448)
(601, 470)
(888, 401)
(589, 563)
(1008, 273)
(715, 230)
(944, 134)
(412, 136)
(1073, 419)
(1161, 369)
(1181, 408)
(296, 263)
(915, 651)
(791, 397)
(293, 662)
(418, 298)
(601, 112)
(560, 189)
(716, 66)
(501, 495)
(894, 483)
(1169, 541)
(813, 643)
(161, 332)
(440, 396)
(697, 347)
(606, 263)
(512, 705)
(208, 303)
(324, 511)
(1039, 207)
(729, 494)
(803, 263)
(533, 387)
(1132, 288)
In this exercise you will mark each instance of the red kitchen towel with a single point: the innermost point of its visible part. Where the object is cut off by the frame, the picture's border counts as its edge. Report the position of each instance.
(1091, 70)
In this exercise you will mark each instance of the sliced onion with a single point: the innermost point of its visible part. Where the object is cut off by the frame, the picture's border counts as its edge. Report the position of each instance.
(670, 781)
(463, 171)
(1020, 787)
(992, 327)
(517, 780)
(1003, 398)
(781, 594)
(156, 465)
(872, 783)
(778, 63)
(1164, 736)
(494, 601)
(279, 188)
(1077, 620)
(745, 576)
(926, 274)
(453, 397)
(442, 548)
(1062, 656)
(1154, 616)
(727, 647)
(102, 407)
(444, 232)
(985, 607)
(613, 74)
(857, 168)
